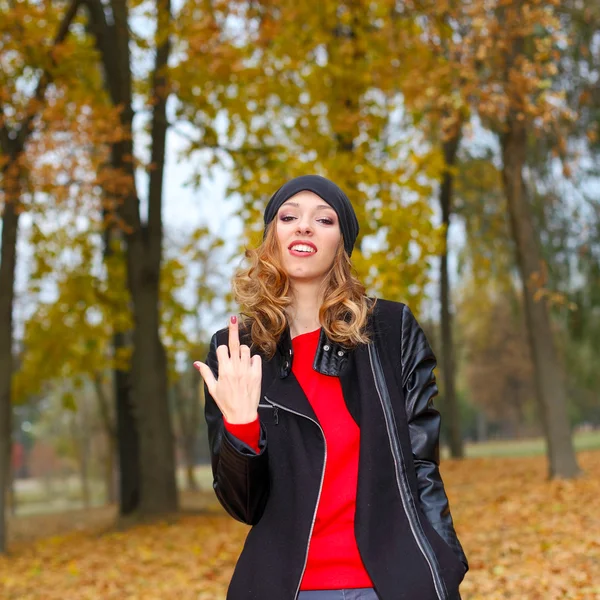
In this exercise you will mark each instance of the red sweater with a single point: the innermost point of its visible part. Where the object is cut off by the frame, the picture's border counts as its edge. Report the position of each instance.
(333, 558)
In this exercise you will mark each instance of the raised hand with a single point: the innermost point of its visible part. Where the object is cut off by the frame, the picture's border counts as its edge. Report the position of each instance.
(237, 391)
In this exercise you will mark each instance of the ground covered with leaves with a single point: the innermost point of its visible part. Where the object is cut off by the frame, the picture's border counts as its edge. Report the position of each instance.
(526, 538)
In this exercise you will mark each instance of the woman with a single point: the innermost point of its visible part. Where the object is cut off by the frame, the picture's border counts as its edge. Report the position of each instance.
(321, 425)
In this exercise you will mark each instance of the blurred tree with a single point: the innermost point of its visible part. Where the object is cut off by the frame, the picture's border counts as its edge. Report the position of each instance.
(197, 263)
(488, 252)
(88, 303)
(49, 94)
(81, 437)
(509, 68)
(115, 40)
(562, 171)
(123, 434)
(504, 54)
(497, 360)
(201, 70)
(91, 303)
(112, 470)
(68, 427)
(442, 112)
(530, 32)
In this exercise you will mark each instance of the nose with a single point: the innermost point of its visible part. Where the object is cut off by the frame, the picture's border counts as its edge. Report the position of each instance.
(304, 226)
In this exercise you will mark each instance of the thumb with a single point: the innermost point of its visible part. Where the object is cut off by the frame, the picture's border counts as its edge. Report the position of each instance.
(207, 375)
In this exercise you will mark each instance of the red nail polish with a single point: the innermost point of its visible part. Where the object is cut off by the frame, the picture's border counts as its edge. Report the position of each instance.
(234, 319)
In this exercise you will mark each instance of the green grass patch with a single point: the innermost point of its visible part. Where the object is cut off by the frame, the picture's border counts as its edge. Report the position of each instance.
(589, 440)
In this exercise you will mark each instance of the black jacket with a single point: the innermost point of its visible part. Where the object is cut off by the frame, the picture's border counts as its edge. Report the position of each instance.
(403, 525)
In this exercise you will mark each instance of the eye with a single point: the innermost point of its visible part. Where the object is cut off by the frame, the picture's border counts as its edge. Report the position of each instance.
(326, 221)
(286, 218)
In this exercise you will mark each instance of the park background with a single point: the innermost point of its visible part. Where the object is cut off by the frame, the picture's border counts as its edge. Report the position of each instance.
(139, 143)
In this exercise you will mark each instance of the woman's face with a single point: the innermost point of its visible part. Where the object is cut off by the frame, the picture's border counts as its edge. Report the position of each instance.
(308, 232)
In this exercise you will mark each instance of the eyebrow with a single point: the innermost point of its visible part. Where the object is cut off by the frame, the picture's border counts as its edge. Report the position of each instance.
(295, 204)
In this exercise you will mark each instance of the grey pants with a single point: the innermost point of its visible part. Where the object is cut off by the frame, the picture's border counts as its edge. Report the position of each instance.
(355, 594)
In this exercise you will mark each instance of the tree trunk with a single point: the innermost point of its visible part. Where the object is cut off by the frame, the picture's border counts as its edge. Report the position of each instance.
(12, 491)
(127, 440)
(121, 433)
(187, 411)
(157, 446)
(158, 489)
(110, 473)
(549, 375)
(157, 461)
(191, 439)
(125, 435)
(80, 438)
(192, 484)
(8, 257)
(124, 438)
(451, 407)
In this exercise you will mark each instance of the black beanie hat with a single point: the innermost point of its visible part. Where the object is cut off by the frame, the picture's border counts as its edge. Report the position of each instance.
(327, 190)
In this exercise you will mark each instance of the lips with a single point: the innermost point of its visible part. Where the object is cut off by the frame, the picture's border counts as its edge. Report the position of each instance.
(302, 248)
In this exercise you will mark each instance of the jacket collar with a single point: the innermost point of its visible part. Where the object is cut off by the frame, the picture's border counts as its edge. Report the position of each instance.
(331, 358)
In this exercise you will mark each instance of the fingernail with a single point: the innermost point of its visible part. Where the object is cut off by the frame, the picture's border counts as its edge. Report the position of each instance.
(233, 319)
(197, 365)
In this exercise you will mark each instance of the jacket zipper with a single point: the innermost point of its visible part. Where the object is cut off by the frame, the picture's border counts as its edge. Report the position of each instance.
(312, 525)
(407, 500)
(275, 411)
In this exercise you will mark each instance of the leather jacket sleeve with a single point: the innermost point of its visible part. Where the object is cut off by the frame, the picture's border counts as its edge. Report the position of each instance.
(240, 475)
(419, 386)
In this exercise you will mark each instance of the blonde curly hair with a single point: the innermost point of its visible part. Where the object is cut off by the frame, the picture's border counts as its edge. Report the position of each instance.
(263, 293)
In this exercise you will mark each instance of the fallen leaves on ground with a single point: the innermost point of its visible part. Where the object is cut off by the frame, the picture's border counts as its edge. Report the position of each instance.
(526, 538)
